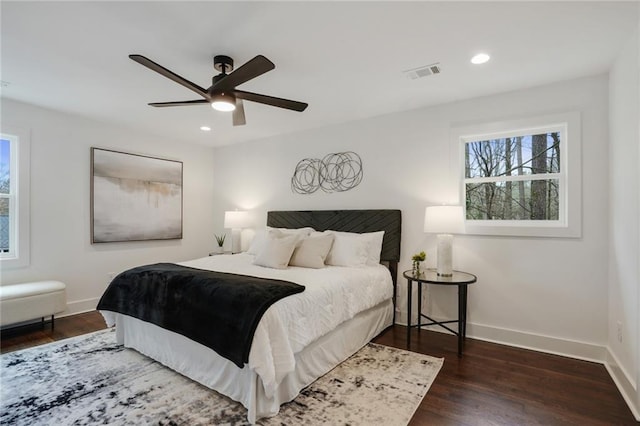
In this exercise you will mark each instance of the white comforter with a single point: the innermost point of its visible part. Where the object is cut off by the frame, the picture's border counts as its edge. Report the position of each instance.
(332, 295)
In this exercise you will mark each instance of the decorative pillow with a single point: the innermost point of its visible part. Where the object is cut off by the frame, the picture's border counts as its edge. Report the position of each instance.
(304, 231)
(312, 251)
(276, 250)
(261, 235)
(348, 249)
(373, 242)
(300, 233)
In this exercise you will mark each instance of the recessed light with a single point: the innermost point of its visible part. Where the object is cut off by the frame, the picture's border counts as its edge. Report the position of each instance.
(480, 58)
(205, 128)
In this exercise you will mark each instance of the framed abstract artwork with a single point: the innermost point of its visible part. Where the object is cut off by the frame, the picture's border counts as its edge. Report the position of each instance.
(134, 197)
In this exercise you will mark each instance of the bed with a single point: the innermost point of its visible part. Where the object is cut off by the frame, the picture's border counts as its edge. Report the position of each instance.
(300, 337)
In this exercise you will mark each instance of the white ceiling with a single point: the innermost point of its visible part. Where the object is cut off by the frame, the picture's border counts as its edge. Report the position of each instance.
(344, 59)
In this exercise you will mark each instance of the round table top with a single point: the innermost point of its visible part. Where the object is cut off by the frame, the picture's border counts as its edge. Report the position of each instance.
(430, 276)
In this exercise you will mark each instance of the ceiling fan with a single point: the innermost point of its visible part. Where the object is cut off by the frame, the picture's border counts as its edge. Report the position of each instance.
(222, 94)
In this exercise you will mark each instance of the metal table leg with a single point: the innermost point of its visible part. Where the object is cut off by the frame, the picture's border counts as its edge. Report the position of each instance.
(419, 307)
(461, 313)
(409, 291)
(464, 315)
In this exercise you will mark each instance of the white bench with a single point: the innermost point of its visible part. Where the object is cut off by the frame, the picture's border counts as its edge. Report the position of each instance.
(29, 301)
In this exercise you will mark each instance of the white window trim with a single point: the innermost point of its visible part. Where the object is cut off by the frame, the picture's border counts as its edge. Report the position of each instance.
(569, 224)
(20, 180)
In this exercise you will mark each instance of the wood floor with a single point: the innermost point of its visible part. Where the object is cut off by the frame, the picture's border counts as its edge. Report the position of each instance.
(490, 385)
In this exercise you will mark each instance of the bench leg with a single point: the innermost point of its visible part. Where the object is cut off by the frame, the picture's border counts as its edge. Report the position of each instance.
(52, 322)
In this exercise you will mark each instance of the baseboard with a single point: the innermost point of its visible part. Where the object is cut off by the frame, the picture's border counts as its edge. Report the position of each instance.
(538, 342)
(624, 382)
(520, 339)
(80, 306)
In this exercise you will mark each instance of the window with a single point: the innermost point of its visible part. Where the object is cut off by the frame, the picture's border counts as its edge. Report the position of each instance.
(522, 177)
(514, 177)
(14, 198)
(7, 196)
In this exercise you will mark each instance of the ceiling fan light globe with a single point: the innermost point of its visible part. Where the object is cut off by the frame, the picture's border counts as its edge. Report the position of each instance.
(223, 106)
(223, 102)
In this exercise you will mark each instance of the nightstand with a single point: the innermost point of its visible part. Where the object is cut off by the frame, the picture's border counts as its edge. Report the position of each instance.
(216, 253)
(430, 276)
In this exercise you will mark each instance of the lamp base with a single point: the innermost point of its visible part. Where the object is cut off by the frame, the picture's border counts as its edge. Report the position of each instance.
(235, 241)
(445, 268)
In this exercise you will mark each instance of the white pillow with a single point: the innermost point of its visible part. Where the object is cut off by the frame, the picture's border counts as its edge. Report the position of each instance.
(312, 251)
(304, 231)
(258, 241)
(375, 247)
(348, 250)
(276, 250)
(261, 235)
(300, 233)
(373, 241)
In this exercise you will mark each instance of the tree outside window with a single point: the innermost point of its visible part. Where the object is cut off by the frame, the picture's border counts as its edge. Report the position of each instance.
(514, 178)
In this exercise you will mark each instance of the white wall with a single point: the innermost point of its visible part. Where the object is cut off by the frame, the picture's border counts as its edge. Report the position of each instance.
(60, 191)
(624, 253)
(527, 287)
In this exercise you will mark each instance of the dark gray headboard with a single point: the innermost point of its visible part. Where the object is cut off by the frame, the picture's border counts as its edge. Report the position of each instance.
(389, 221)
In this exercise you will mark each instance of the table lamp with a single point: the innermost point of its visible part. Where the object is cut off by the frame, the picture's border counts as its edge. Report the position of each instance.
(444, 221)
(236, 220)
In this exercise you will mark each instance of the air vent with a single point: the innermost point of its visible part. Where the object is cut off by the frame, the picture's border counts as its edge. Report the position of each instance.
(423, 71)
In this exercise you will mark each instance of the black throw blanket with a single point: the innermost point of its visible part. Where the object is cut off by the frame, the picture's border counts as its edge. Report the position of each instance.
(216, 309)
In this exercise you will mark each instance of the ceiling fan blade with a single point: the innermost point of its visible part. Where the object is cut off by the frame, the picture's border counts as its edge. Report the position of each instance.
(169, 74)
(252, 69)
(238, 114)
(270, 100)
(179, 103)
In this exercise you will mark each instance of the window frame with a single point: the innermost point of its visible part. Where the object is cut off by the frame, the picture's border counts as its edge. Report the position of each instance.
(569, 178)
(19, 213)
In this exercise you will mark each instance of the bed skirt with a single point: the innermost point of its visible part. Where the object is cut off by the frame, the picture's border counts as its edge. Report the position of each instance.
(203, 365)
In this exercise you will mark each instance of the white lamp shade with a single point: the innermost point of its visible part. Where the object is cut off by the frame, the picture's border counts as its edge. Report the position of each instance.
(444, 220)
(236, 219)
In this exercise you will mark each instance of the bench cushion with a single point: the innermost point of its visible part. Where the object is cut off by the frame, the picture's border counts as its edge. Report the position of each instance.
(29, 289)
(28, 301)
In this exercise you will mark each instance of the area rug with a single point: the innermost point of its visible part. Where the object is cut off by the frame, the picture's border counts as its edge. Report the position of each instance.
(92, 380)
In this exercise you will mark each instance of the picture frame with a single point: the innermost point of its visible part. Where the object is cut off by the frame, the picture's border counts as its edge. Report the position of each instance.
(134, 197)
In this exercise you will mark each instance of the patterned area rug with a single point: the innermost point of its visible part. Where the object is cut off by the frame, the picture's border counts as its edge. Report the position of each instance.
(92, 380)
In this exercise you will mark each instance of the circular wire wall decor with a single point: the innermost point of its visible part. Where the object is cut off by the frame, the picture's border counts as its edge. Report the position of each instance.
(336, 172)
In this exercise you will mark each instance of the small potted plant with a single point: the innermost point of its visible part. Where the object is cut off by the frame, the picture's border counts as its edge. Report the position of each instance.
(416, 259)
(220, 241)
